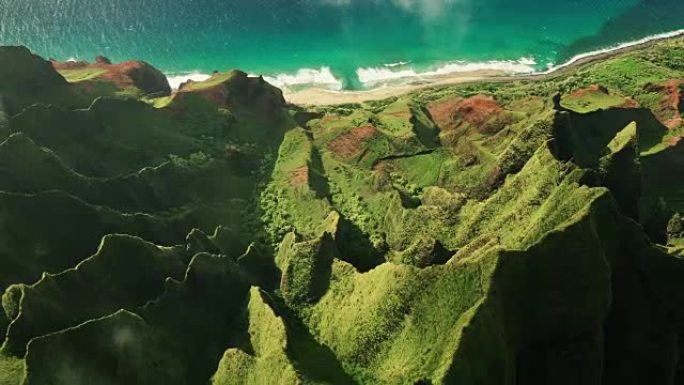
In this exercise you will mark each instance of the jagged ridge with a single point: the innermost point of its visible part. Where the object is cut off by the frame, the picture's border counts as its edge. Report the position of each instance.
(490, 233)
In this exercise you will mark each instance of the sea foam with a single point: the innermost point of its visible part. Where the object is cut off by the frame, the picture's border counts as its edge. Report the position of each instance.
(375, 75)
(397, 64)
(322, 77)
(176, 80)
(371, 77)
(306, 76)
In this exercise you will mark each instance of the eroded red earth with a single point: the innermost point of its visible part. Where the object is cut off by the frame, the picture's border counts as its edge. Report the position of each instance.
(351, 143)
(300, 176)
(122, 75)
(669, 113)
(452, 113)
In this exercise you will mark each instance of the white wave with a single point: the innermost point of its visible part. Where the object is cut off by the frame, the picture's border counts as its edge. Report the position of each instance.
(524, 66)
(374, 75)
(585, 55)
(371, 77)
(397, 64)
(527, 61)
(176, 80)
(306, 76)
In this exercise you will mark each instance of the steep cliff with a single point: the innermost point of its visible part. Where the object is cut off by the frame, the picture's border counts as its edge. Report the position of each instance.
(518, 232)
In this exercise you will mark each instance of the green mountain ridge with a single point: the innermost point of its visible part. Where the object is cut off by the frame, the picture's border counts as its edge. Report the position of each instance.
(515, 232)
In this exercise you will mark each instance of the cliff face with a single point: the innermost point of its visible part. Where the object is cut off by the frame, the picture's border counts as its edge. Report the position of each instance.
(238, 93)
(26, 78)
(515, 233)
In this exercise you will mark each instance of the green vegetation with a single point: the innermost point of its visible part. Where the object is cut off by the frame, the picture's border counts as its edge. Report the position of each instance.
(215, 80)
(517, 232)
(591, 100)
(11, 370)
(81, 74)
(57, 301)
(268, 339)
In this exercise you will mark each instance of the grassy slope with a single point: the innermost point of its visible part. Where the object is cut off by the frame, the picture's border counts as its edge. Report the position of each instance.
(81, 74)
(268, 339)
(471, 234)
(57, 301)
(215, 80)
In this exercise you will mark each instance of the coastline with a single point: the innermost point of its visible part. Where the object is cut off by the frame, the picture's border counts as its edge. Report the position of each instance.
(324, 97)
(315, 96)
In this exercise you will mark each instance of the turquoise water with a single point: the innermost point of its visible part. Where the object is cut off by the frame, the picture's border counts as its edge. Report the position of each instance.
(343, 43)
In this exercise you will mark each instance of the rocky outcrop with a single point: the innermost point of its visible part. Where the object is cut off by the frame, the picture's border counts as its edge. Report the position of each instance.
(138, 74)
(102, 60)
(239, 93)
(670, 108)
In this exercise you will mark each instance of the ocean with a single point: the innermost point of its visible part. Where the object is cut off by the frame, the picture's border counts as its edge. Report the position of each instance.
(337, 44)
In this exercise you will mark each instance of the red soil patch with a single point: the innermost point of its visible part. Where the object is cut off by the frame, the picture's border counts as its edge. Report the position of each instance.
(590, 90)
(69, 65)
(673, 141)
(478, 109)
(350, 143)
(599, 89)
(668, 113)
(453, 113)
(630, 103)
(300, 176)
(118, 73)
(127, 74)
(672, 101)
(330, 117)
(383, 166)
(443, 112)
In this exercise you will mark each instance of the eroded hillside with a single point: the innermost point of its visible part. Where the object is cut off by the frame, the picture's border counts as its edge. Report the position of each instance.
(519, 232)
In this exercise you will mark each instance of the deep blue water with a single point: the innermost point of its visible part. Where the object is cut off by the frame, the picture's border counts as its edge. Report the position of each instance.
(354, 39)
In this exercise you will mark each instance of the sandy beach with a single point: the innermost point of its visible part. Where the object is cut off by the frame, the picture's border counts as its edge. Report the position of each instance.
(322, 97)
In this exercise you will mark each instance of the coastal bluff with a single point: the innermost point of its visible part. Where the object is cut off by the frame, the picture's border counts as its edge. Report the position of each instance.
(505, 231)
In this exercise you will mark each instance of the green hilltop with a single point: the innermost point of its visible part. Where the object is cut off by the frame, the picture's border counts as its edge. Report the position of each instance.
(524, 231)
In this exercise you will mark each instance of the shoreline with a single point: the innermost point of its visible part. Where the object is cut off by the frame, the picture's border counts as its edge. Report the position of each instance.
(312, 97)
